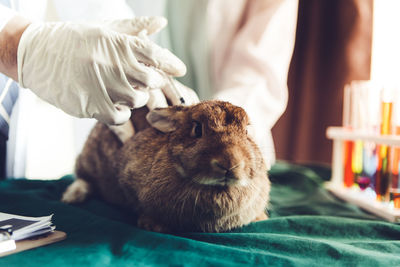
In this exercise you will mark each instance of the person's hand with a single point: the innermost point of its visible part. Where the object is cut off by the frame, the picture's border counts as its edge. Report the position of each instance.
(159, 98)
(99, 71)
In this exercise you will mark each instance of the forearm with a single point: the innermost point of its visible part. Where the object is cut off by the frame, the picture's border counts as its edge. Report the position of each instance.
(9, 40)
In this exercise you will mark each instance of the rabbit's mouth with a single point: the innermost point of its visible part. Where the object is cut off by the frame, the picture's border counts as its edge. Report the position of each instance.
(221, 181)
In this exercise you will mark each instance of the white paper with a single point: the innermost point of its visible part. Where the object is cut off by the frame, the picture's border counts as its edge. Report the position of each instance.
(25, 227)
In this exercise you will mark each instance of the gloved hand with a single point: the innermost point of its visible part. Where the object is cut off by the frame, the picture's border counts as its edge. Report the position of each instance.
(158, 97)
(92, 70)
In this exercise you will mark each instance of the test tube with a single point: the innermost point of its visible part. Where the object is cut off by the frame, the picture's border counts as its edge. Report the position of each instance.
(369, 115)
(382, 180)
(348, 179)
(395, 181)
(358, 114)
(356, 118)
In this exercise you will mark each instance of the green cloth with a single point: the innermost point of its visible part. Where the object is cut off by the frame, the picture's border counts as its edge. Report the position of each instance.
(308, 227)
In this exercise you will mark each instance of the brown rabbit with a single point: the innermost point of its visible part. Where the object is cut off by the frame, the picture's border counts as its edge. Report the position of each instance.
(195, 169)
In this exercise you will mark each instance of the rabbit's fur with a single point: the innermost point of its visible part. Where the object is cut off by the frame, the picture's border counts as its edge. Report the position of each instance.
(196, 169)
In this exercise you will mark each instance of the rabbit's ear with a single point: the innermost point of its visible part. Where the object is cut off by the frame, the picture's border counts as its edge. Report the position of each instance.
(162, 119)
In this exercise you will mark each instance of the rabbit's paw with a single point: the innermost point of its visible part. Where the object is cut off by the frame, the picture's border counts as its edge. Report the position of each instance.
(149, 224)
(77, 192)
(261, 217)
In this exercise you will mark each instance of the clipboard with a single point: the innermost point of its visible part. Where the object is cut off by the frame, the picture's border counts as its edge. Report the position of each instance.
(36, 241)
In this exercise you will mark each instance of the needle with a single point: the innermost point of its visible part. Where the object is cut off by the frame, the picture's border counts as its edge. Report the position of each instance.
(176, 92)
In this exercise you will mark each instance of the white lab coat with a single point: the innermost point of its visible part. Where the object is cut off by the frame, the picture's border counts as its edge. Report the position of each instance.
(250, 62)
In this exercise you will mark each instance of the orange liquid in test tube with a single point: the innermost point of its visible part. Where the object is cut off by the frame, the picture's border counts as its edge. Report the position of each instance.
(396, 155)
(348, 102)
(382, 180)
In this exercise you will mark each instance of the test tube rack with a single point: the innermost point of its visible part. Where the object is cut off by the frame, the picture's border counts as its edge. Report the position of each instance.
(358, 197)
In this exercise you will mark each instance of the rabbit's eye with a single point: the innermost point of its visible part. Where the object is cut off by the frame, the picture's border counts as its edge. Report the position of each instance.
(197, 130)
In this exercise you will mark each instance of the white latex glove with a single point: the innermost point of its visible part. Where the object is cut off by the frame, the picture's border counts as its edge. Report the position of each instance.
(158, 97)
(90, 70)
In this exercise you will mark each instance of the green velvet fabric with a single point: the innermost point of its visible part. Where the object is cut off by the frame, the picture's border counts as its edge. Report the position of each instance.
(308, 227)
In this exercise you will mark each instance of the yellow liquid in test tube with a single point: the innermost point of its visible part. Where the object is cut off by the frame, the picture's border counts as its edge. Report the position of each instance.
(357, 157)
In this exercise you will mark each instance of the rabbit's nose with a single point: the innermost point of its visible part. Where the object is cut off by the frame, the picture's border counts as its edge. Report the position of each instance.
(224, 169)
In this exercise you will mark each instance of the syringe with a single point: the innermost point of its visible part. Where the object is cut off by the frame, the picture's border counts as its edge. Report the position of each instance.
(176, 91)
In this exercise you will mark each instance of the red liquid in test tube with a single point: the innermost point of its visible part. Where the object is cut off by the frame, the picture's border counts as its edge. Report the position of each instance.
(348, 170)
(348, 175)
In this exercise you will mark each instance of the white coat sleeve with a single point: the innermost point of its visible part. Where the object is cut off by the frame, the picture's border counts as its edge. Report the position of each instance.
(5, 15)
(255, 71)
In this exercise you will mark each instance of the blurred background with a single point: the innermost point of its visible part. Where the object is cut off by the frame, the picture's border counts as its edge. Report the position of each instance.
(333, 47)
(336, 42)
